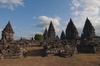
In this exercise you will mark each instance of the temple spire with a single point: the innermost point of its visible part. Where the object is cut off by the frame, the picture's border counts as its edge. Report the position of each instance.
(88, 30)
(45, 34)
(51, 31)
(7, 33)
(63, 36)
(8, 28)
(71, 31)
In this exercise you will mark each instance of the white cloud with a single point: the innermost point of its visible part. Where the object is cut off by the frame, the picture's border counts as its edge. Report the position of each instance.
(10, 4)
(45, 21)
(86, 8)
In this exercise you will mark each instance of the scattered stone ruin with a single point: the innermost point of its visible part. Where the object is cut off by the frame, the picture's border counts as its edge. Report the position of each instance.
(57, 47)
(89, 41)
(9, 48)
(54, 45)
(11, 51)
(68, 44)
(50, 34)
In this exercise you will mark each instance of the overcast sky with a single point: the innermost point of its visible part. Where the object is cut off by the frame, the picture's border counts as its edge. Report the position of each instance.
(29, 17)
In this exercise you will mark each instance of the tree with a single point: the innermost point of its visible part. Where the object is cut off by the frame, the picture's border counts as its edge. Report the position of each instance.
(38, 37)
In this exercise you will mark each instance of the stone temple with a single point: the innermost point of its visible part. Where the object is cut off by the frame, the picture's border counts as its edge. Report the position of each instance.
(89, 41)
(63, 36)
(45, 35)
(71, 31)
(50, 34)
(8, 33)
(68, 43)
(10, 48)
(53, 45)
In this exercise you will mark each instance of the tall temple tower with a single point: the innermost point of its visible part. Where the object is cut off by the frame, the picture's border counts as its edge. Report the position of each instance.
(45, 34)
(88, 30)
(71, 31)
(63, 36)
(51, 31)
(7, 33)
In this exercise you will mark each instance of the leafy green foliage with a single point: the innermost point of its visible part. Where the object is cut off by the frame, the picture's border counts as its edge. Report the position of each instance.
(38, 37)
